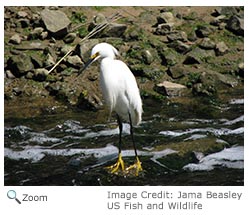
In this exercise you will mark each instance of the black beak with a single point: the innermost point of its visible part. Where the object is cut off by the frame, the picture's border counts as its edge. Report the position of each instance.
(88, 63)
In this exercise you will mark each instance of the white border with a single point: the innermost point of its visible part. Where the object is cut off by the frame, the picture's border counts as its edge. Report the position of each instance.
(93, 200)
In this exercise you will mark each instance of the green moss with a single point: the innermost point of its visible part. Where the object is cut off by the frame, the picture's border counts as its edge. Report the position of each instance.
(78, 17)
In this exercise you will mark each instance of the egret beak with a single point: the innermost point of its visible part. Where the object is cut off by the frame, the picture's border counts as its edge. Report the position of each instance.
(89, 62)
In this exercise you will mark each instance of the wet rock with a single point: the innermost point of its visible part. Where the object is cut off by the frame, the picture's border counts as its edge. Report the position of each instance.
(198, 55)
(204, 31)
(236, 25)
(69, 38)
(20, 64)
(15, 39)
(74, 61)
(207, 43)
(40, 74)
(170, 89)
(89, 101)
(221, 48)
(212, 81)
(177, 35)
(180, 47)
(55, 21)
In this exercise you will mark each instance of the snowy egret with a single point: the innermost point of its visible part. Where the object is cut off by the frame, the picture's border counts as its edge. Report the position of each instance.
(121, 94)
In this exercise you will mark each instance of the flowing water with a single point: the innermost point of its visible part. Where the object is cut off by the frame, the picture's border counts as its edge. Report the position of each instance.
(200, 142)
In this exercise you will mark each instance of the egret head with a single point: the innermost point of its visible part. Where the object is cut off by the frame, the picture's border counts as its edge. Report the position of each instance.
(101, 50)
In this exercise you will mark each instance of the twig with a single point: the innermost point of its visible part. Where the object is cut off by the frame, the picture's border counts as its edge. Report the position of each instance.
(96, 30)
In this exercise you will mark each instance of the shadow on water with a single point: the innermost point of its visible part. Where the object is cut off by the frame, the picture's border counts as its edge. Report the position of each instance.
(193, 143)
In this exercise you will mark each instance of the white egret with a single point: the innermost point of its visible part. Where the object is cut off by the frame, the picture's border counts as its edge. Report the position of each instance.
(121, 94)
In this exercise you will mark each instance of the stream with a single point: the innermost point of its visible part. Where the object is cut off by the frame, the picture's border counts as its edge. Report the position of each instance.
(198, 142)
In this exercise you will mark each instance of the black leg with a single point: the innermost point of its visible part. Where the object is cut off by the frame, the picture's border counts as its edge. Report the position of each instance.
(120, 125)
(132, 137)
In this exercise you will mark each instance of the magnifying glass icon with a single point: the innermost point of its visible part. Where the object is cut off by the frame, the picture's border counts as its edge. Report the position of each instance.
(12, 195)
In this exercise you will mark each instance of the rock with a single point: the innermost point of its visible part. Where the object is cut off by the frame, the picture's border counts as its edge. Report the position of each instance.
(22, 14)
(20, 64)
(165, 17)
(211, 81)
(55, 21)
(69, 38)
(40, 74)
(164, 28)
(240, 71)
(9, 74)
(98, 19)
(169, 57)
(84, 50)
(114, 30)
(180, 46)
(65, 49)
(37, 60)
(148, 57)
(236, 25)
(198, 55)
(224, 10)
(74, 61)
(170, 89)
(44, 35)
(49, 62)
(218, 20)
(177, 35)
(204, 31)
(15, 39)
(221, 48)
(24, 22)
(207, 43)
(89, 101)
(36, 33)
(178, 71)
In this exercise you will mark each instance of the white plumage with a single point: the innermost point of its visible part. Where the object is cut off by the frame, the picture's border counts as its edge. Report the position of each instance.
(120, 91)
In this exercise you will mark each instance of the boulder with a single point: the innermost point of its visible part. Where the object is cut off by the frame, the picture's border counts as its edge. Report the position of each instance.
(20, 64)
(177, 35)
(15, 39)
(221, 48)
(180, 47)
(170, 89)
(207, 43)
(74, 61)
(204, 31)
(165, 17)
(55, 22)
(236, 25)
(198, 55)
(164, 28)
(69, 38)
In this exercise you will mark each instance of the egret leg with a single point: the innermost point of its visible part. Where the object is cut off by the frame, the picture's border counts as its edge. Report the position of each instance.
(120, 163)
(137, 165)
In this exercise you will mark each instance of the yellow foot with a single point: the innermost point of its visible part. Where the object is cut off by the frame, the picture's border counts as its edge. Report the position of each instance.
(137, 166)
(119, 164)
